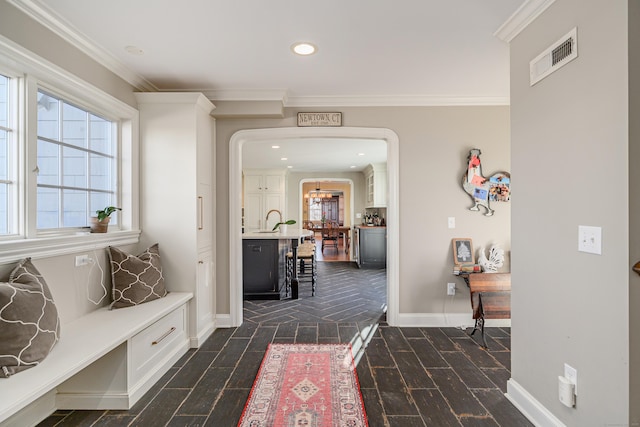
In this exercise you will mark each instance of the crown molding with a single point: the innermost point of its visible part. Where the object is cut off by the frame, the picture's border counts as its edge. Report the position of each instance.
(44, 16)
(521, 18)
(396, 101)
(245, 94)
(280, 95)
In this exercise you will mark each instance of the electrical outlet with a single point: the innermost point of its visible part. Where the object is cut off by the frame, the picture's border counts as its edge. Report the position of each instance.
(82, 260)
(451, 288)
(571, 374)
(590, 239)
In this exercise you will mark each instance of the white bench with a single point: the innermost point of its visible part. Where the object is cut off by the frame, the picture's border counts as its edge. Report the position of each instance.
(106, 359)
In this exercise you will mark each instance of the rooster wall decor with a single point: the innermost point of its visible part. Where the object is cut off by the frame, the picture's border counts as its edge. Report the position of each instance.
(483, 190)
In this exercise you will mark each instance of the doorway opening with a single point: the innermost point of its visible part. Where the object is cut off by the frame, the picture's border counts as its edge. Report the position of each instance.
(300, 134)
(336, 204)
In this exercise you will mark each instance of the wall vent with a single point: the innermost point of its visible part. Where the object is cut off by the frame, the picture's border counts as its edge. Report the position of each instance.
(553, 58)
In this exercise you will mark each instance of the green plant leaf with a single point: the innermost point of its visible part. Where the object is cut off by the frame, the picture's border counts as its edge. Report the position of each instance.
(288, 222)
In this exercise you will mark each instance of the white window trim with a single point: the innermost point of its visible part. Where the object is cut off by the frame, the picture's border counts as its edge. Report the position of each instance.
(39, 72)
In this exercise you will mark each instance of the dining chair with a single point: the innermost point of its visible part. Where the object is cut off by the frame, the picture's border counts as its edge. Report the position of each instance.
(310, 226)
(330, 234)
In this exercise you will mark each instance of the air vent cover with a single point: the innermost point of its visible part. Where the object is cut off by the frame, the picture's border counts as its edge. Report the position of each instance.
(556, 56)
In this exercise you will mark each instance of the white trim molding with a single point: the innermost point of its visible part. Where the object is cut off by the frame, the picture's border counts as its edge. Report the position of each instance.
(444, 320)
(521, 18)
(530, 407)
(239, 138)
(49, 19)
(15, 250)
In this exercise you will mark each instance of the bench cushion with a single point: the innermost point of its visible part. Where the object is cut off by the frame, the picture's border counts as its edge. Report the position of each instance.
(136, 279)
(29, 322)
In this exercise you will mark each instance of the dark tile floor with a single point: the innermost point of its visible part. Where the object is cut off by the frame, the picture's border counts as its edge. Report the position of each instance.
(408, 376)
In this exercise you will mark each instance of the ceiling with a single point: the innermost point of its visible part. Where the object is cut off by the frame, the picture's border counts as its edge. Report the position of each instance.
(314, 154)
(370, 52)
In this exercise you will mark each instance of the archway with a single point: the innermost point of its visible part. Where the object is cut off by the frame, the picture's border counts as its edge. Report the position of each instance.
(235, 203)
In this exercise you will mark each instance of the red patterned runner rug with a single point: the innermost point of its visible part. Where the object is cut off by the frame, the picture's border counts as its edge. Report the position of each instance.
(311, 385)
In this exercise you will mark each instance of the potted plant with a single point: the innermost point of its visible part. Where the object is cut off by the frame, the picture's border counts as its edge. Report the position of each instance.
(100, 223)
(283, 225)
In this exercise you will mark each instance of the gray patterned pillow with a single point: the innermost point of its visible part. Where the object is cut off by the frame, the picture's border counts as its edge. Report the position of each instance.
(29, 322)
(136, 279)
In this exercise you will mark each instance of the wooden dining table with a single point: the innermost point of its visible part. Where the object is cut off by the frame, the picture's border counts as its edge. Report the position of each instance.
(342, 229)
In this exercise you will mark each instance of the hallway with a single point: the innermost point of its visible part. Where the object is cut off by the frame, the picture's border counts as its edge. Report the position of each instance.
(408, 376)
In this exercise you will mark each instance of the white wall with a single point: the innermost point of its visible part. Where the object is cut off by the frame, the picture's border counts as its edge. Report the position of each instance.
(570, 158)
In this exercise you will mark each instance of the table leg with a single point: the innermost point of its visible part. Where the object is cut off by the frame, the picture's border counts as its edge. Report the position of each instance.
(294, 279)
(480, 323)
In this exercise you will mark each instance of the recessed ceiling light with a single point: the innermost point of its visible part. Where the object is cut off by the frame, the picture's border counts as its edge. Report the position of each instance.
(134, 50)
(352, 166)
(283, 158)
(360, 154)
(304, 48)
(275, 146)
(290, 167)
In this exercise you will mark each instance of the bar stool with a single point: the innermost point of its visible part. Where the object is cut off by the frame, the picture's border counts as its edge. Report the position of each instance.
(306, 261)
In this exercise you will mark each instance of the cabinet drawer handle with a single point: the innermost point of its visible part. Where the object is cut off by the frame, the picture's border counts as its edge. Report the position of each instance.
(163, 336)
(201, 212)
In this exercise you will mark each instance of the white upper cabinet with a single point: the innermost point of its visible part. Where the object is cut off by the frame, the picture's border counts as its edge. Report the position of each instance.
(264, 190)
(375, 178)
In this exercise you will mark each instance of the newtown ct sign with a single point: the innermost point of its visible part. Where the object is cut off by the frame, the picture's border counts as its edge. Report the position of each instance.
(319, 119)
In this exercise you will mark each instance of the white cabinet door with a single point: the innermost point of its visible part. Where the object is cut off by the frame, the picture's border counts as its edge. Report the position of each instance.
(253, 218)
(253, 183)
(204, 213)
(273, 201)
(205, 290)
(274, 183)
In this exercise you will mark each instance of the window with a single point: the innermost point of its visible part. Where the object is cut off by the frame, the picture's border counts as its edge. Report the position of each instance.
(76, 164)
(7, 157)
(67, 149)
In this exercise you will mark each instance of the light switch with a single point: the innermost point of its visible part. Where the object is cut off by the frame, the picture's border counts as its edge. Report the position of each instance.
(590, 239)
(452, 222)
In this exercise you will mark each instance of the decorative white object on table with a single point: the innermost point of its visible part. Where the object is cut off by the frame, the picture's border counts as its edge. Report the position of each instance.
(495, 260)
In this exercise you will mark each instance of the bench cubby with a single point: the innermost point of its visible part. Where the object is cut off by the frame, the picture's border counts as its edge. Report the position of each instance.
(107, 359)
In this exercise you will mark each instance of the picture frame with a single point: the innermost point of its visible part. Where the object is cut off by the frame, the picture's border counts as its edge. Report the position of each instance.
(463, 251)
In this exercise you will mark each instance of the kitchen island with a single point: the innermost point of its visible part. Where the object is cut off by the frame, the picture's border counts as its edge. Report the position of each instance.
(264, 262)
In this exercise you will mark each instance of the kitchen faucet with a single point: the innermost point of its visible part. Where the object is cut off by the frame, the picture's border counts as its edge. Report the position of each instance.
(269, 213)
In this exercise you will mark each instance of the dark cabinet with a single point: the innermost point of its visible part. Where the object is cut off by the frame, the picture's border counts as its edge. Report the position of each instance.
(372, 251)
(263, 268)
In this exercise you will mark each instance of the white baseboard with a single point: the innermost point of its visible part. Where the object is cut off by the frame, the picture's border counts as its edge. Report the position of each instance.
(34, 413)
(198, 340)
(443, 320)
(223, 321)
(530, 407)
(93, 401)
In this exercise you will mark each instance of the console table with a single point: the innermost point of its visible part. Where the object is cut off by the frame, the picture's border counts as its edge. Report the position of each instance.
(490, 298)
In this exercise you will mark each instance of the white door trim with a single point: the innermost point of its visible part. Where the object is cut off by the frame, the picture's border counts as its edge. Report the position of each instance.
(235, 204)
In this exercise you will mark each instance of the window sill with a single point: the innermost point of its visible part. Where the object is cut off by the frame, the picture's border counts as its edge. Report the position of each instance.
(44, 247)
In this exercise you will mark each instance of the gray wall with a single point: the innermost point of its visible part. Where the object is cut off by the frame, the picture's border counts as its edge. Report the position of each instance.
(434, 143)
(634, 209)
(570, 156)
